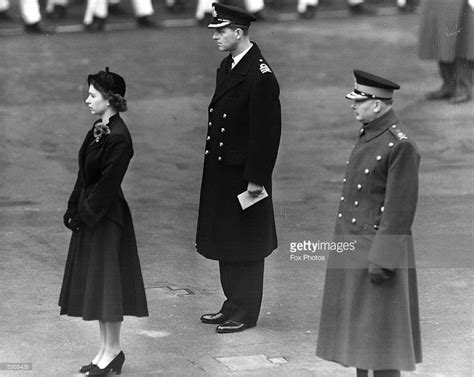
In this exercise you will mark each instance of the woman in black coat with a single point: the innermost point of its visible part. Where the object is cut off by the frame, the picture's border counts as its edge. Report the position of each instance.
(102, 279)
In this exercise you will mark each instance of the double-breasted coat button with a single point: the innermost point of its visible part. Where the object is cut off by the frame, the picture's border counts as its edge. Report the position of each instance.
(390, 145)
(339, 215)
(224, 116)
(221, 144)
(356, 203)
(381, 209)
(222, 129)
(208, 138)
(376, 226)
(206, 152)
(359, 187)
(366, 171)
(378, 158)
(210, 124)
(394, 126)
(219, 158)
(211, 110)
(344, 180)
(347, 162)
(342, 198)
(353, 221)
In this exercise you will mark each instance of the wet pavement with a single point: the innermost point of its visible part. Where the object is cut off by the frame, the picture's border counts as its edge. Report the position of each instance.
(170, 78)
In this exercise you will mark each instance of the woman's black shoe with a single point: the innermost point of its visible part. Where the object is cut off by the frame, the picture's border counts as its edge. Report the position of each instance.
(114, 366)
(87, 368)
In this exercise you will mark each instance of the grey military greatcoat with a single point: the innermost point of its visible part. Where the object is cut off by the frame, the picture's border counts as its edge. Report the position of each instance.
(365, 325)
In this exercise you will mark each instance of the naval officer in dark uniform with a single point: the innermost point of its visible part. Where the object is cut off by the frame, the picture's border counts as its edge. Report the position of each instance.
(243, 136)
(369, 315)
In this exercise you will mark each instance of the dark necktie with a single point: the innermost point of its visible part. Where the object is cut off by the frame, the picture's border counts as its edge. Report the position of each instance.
(229, 65)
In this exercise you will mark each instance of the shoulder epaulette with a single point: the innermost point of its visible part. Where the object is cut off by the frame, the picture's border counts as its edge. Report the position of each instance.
(397, 133)
(264, 68)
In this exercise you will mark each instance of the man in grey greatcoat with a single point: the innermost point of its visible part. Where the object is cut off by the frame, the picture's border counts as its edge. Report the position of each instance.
(369, 315)
(447, 36)
(243, 136)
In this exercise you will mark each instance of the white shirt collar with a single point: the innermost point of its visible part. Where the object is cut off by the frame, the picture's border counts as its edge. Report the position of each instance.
(238, 58)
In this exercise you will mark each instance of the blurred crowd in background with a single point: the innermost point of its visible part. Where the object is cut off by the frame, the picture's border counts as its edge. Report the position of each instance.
(96, 12)
(446, 31)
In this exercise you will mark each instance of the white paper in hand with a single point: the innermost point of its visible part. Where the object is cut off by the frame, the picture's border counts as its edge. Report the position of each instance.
(246, 200)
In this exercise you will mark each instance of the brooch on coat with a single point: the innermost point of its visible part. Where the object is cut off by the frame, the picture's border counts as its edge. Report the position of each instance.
(100, 130)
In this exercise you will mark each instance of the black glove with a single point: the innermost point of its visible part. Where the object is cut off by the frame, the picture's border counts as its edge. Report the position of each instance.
(68, 217)
(76, 223)
(378, 275)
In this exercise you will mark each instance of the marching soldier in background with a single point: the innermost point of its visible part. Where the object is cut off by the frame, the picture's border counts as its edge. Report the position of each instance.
(30, 14)
(447, 36)
(204, 12)
(306, 9)
(241, 149)
(97, 11)
(369, 314)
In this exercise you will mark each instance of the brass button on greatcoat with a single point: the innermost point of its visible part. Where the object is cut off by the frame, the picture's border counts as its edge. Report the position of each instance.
(339, 215)
(356, 203)
(206, 152)
(359, 187)
(221, 144)
(353, 221)
(222, 129)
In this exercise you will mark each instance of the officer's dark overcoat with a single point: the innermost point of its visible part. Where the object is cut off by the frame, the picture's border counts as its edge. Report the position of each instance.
(446, 30)
(365, 325)
(242, 143)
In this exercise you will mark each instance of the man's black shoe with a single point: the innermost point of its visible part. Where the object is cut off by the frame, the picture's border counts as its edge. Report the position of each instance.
(37, 28)
(59, 13)
(362, 9)
(233, 326)
(147, 22)
(309, 13)
(214, 319)
(5, 16)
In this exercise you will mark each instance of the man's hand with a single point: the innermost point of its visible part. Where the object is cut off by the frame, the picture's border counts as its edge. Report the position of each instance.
(76, 223)
(377, 274)
(254, 189)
